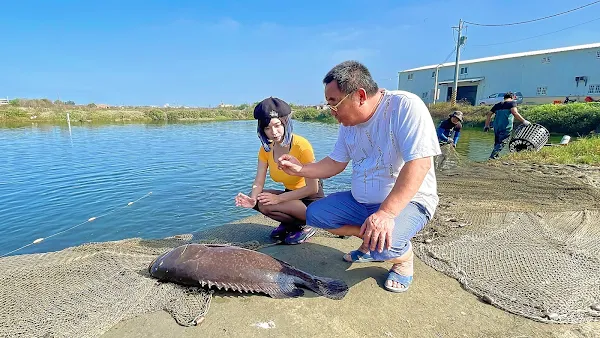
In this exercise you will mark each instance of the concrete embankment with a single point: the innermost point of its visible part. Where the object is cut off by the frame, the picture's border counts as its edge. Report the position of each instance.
(435, 306)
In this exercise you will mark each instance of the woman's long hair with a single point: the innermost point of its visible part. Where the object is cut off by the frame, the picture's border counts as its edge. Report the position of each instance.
(288, 130)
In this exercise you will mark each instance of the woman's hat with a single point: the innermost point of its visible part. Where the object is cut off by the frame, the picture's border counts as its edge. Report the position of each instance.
(271, 107)
(458, 114)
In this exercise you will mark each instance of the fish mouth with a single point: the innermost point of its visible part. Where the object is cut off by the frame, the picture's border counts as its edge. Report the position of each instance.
(152, 263)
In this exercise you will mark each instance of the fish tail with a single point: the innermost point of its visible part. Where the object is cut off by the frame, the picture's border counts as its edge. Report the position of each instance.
(329, 287)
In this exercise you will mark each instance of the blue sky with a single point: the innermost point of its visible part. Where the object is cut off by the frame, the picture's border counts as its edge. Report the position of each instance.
(201, 53)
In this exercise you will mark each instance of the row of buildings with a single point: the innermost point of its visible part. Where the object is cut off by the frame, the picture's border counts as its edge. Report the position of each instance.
(543, 76)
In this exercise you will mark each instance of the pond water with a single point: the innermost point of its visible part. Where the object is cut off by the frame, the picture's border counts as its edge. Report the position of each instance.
(183, 178)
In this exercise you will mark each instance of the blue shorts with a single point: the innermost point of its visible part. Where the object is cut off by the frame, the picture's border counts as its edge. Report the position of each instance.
(339, 209)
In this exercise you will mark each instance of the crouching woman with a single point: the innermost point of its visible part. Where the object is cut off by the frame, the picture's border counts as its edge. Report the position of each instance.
(288, 206)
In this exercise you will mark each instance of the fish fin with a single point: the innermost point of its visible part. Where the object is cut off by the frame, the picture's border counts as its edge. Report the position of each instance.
(329, 287)
(277, 290)
(277, 293)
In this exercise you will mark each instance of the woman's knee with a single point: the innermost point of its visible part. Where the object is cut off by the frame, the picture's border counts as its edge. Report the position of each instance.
(266, 210)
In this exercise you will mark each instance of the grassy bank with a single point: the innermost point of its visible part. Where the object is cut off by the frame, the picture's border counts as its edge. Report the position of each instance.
(56, 113)
(575, 118)
(584, 150)
(94, 114)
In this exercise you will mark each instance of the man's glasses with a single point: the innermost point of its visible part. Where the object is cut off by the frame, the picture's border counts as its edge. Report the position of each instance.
(335, 108)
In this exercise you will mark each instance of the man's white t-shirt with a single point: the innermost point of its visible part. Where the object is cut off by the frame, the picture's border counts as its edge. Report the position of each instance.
(401, 130)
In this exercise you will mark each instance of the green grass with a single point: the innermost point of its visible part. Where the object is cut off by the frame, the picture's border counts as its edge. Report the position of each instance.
(575, 118)
(474, 116)
(135, 114)
(584, 150)
(57, 113)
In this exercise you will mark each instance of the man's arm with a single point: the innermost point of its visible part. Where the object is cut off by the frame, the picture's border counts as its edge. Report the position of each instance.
(518, 116)
(488, 119)
(377, 230)
(407, 184)
(325, 168)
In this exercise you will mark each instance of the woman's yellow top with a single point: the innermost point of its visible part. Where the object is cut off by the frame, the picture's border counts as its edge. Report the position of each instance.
(300, 149)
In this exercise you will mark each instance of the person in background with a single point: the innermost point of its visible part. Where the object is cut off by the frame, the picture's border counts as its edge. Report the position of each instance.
(453, 124)
(390, 138)
(506, 112)
(275, 131)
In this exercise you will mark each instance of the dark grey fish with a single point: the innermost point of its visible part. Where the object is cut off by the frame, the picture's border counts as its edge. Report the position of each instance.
(237, 269)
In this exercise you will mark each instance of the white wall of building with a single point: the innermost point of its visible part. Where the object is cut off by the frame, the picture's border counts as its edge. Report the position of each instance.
(541, 76)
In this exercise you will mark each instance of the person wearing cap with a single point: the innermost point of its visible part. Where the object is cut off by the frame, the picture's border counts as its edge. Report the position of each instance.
(390, 138)
(275, 131)
(453, 124)
(506, 112)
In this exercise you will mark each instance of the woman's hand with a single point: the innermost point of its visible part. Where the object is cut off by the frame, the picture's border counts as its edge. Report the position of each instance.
(244, 201)
(266, 198)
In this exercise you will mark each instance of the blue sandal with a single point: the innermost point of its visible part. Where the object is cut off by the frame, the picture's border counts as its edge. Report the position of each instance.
(405, 281)
(358, 256)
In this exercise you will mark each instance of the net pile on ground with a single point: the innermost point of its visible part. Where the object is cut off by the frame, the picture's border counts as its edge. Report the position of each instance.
(83, 291)
(524, 238)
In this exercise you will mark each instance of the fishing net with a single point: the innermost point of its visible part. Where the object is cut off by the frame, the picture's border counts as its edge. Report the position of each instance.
(83, 291)
(524, 238)
(448, 159)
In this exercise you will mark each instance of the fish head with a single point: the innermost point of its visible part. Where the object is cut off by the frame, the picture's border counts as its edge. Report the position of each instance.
(169, 261)
(156, 262)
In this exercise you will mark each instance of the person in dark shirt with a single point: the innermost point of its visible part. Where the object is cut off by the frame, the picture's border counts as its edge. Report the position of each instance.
(505, 112)
(451, 125)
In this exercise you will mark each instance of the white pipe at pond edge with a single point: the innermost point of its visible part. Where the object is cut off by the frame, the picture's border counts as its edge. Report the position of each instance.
(69, 123)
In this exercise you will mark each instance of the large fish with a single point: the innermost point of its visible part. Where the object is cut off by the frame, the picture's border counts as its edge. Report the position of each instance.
(237, 269)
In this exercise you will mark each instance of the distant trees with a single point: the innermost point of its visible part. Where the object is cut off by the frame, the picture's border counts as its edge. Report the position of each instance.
(39, 103)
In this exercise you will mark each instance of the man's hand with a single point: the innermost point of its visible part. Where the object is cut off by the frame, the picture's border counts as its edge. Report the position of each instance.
(244, 201)
(266, 198)
(526, 123)
(289, 164)
(377, 230)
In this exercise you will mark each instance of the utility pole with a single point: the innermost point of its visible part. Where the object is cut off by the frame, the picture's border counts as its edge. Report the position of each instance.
(435, 85)
(459, 42)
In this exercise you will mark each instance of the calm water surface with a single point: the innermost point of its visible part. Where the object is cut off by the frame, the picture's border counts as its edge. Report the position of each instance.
(52, 179)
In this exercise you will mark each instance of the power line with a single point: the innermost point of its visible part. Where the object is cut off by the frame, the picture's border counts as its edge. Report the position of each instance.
(536, 36)
(528, 21)
(449, 56)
